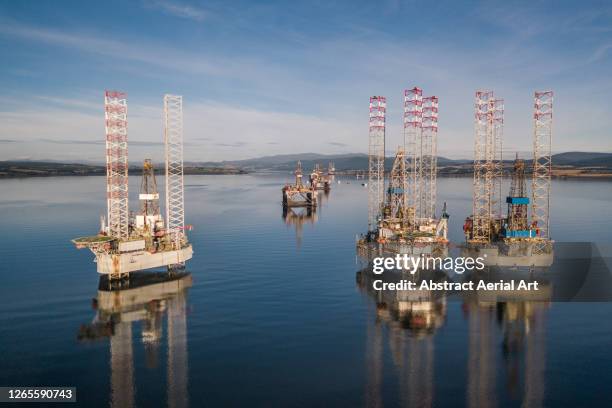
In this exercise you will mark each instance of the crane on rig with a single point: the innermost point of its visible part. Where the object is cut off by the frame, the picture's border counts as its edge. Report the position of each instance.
(124, 243)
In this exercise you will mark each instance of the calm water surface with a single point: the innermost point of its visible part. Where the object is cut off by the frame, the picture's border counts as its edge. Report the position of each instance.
(274, 316)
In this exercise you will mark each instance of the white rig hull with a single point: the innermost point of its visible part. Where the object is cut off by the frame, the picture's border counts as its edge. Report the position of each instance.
(120, 264)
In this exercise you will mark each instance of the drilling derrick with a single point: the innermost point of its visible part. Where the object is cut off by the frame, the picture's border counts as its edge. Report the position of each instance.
(173, 139)
(518, 200)
(149, 199)
(376, 160)
(115, 113)
(398, 183)
(413, 110)
(298, 174)
(487, 167)
(542, 163)
(429, 161)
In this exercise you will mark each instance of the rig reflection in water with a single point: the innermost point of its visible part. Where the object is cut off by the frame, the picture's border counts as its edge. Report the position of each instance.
(506, 336)
(145, 298)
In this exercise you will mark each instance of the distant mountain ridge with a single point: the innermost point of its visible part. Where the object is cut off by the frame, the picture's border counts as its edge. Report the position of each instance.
(566, 164)
(359, 161)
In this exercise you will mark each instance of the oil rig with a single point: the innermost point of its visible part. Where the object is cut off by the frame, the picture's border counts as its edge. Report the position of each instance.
(127, 242)
(402, 218)
(511, 238)
(331, 169)
(319, 180)
(299, 194)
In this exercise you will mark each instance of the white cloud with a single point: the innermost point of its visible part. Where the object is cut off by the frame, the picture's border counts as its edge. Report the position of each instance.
(179, 9)
(313, 97)
(154, 54)
(212, 132)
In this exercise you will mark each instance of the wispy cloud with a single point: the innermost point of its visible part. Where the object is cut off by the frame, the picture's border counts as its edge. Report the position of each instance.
(95, 142)
(155, 54)
(178, 9)
(303, 84)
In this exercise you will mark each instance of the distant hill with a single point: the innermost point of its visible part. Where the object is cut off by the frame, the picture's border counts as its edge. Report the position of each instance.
(565, 164)
(287, 162)
(11, 169)
(583, 159)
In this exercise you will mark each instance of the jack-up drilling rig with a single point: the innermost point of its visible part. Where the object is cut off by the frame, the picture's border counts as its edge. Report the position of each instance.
(126, 244)
(299, 194)
(406, 222)
(510, 239)
(319, 180)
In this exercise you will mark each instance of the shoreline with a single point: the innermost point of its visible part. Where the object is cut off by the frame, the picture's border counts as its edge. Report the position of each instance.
(18, 175)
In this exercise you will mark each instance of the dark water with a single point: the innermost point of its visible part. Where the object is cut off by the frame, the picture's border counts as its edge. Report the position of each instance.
(275, 316)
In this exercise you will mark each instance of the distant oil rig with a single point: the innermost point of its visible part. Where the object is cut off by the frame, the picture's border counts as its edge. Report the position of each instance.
(302, 194)
(127, 242)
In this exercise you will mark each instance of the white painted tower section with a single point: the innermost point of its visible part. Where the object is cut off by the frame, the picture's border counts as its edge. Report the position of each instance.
(115, 115)
(542, 162)
(173, 140)
(376, 160)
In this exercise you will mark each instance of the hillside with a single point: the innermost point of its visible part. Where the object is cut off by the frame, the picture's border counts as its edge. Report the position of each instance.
(568, 164)
(13, 169)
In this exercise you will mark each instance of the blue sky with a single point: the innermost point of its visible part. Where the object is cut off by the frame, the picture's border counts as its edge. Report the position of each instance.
(262, 78)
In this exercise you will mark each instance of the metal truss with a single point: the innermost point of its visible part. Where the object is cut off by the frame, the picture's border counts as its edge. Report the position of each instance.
(481, 204)
(429, 160)
(497, 130)
(488, 126)
(542, 163)
(115, 113)
(413, 121)
(376, 159)
(173, 139)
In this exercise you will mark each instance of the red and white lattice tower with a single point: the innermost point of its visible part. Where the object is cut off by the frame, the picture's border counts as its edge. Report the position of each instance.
(413, 121)
(115, 113)
(497, 132)
(376, 160)
(429, 160)
(542, 163)
(481, 203)
(488, 126)
(173, 140)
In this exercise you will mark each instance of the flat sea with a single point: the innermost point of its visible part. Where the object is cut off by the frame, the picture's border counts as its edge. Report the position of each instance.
(275, 315)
